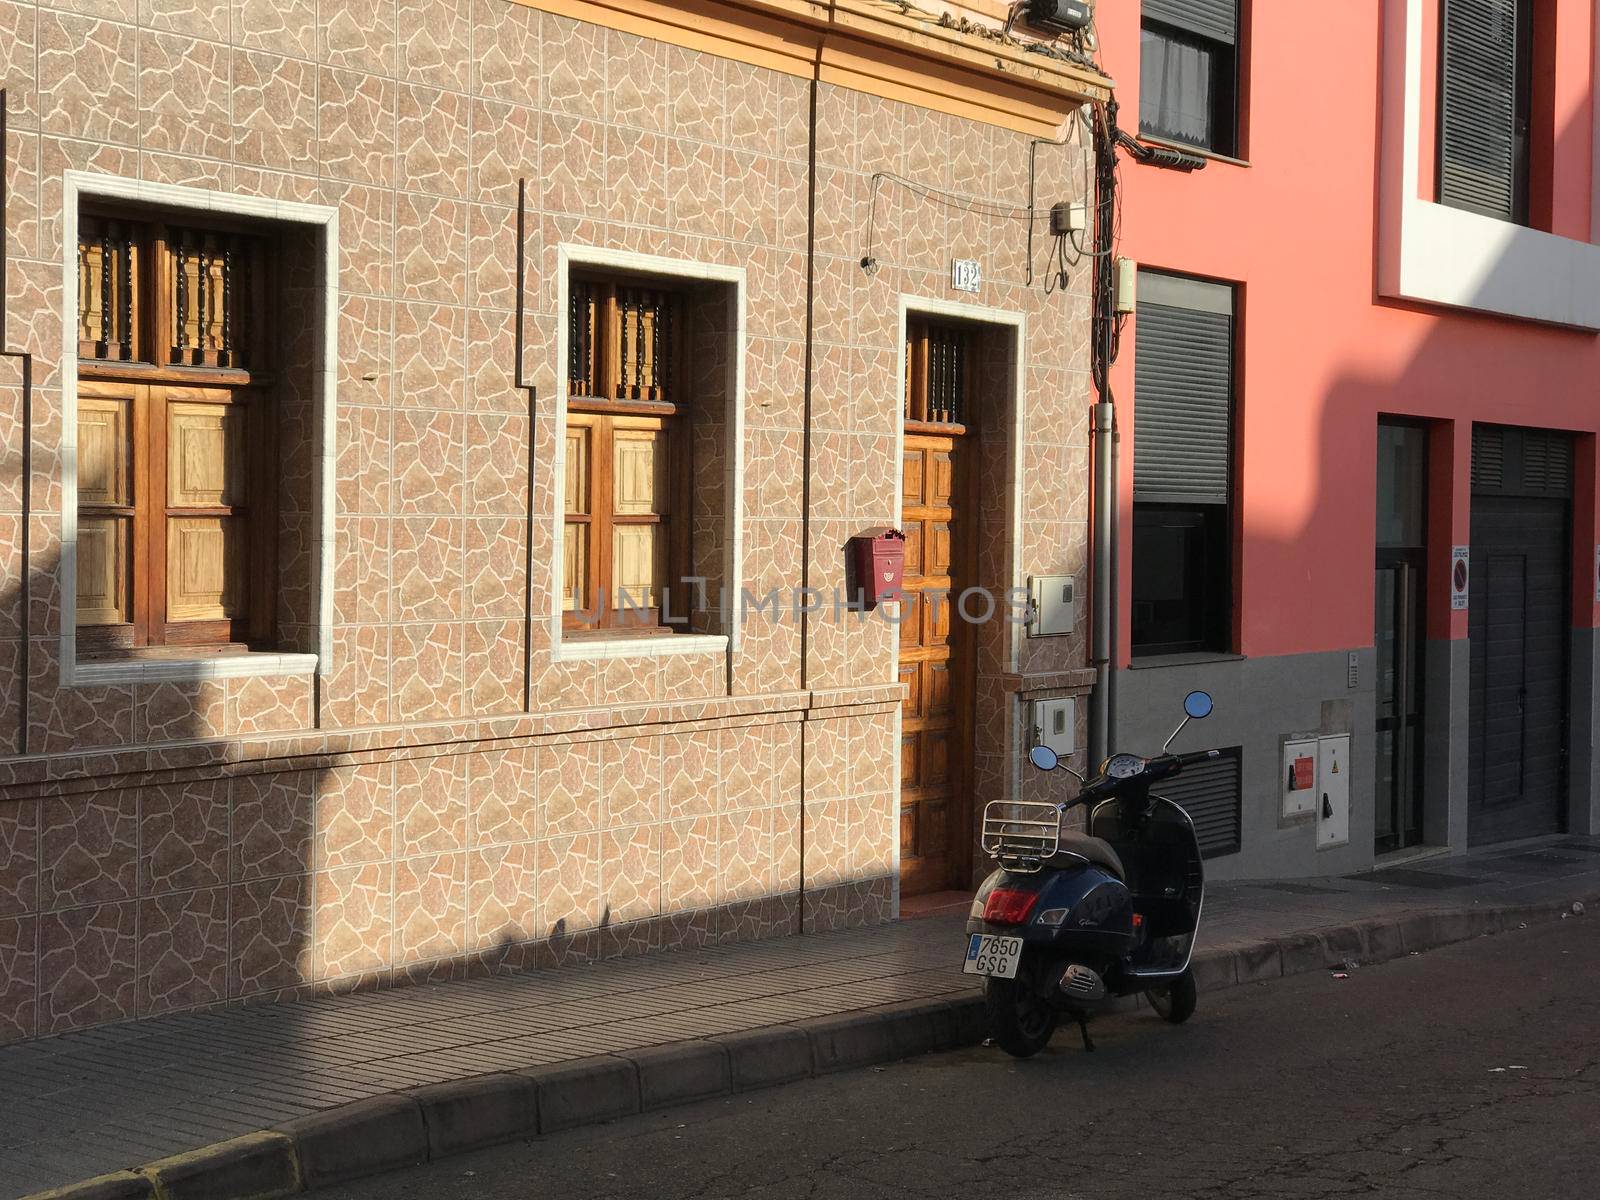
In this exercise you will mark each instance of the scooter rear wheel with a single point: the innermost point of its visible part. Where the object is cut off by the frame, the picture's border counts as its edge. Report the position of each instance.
(1021, 1020)
(1175, 1001)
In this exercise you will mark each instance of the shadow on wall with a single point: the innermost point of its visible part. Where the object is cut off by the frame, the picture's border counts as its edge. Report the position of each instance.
(204, 877)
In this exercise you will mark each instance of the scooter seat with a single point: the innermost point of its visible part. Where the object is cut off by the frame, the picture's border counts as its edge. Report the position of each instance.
(1096, 850)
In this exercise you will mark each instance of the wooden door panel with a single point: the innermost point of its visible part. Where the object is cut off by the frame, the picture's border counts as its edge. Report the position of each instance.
(935, 659)
(103, 568)
(104, 465)
(206, 456)
(205, 568)
(911, 677)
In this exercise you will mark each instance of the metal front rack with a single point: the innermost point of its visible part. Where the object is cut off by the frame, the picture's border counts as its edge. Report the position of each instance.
(1020, 834)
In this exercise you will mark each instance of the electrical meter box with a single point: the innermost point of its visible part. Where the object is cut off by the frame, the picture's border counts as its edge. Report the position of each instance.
(1298, 778)
(1050, 598)
(1333, 791)
(1055, 724)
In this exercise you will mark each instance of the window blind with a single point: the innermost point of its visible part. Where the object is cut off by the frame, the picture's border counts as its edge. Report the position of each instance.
(1216, 19)
(1478, 107)
(1183, 391)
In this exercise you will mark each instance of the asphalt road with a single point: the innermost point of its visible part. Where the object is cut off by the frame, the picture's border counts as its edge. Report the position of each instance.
(1470, 1071)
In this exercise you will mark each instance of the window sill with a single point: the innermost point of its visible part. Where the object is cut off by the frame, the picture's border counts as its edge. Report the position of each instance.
(1191, 658)
(570, 649)
(1190, 148)
(182, 670)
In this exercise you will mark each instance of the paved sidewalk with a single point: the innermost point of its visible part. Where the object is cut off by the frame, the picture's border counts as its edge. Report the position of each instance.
(88, 1103)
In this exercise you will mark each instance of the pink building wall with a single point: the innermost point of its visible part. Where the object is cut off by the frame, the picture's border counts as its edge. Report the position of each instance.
(1321, 354)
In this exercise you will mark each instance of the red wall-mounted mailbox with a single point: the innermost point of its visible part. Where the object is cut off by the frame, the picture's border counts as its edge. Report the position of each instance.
(880, 564)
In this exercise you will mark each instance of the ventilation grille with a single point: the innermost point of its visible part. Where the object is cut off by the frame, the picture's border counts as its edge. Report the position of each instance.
(1210, 793)
(1546, 463)
(1488, 458)
(1508, 461)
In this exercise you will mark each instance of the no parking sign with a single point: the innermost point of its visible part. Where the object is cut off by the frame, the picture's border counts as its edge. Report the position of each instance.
(1459, 573)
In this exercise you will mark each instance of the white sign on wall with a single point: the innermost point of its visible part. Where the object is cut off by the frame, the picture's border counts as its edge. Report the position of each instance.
(1459, 572)
(965, 275)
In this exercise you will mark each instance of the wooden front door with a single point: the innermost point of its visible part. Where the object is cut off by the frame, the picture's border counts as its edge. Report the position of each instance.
(936, 647)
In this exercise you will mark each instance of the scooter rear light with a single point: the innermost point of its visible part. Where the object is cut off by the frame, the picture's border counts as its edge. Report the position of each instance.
(1009, 906)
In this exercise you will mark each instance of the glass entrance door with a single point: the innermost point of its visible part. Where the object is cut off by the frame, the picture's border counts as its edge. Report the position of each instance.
(1398, 629)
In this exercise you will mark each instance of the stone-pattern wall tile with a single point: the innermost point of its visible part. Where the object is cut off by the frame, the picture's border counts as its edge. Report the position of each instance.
(434, 40)
(270, 946)
(569, 884)
(502, 895)
(689, 870)
(269, 704)
(19, 50)
(87, 79)
(569, 788)
(430, 805)
(179, 712)
(19, 856)
(278, 26)
(630, 781)
(183, 950)
(630, 873)
(430, 907)
(88, 849)
(87, 966)
(356, 126)
(355, 816)
(357, 34)
(184, 94)
(503, 797)
(356, 693)
(492, 667)
(427, 670)
(19, 977)
(273, 824)
(183, 836)
(352, 930)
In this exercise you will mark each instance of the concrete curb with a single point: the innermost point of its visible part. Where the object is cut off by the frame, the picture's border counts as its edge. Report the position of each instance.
(411, 1127)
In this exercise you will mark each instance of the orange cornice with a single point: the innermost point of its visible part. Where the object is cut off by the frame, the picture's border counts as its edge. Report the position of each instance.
(874, 46)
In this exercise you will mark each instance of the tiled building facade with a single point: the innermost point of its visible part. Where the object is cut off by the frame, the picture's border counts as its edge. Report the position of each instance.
(426, 774)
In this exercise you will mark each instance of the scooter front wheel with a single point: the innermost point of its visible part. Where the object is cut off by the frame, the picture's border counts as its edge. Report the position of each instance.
(1175, 1001)
(1020, 1019)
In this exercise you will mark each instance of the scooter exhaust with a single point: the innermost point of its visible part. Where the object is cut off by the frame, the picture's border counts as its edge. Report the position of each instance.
(1082, 983)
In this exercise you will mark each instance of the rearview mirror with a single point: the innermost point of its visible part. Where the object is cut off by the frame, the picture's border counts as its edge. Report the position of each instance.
(1197, 705)
(1044, 758)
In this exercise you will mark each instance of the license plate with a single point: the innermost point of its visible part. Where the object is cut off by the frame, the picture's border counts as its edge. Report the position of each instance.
(989, 954)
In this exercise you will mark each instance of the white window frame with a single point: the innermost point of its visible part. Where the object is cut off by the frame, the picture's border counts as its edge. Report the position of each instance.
(76, 186)
(1436, 254)
(564, 649)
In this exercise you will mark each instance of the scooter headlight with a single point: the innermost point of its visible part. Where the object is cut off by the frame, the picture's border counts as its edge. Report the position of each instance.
(1053, 917)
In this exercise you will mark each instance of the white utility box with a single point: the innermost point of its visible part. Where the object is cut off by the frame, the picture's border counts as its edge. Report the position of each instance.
(1055, 724)
(1333, 791)
(1054, 612)
(1298, 778)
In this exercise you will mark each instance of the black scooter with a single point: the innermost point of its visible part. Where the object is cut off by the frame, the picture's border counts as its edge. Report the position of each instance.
(1072, 920)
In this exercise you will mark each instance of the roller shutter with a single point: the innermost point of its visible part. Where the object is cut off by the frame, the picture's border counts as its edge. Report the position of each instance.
(1215, 19)
(1478, 135)
(1183, 391)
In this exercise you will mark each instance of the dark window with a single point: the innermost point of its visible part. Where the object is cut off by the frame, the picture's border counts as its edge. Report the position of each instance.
(1189, 73)
(1183, 466)
(1485, 106)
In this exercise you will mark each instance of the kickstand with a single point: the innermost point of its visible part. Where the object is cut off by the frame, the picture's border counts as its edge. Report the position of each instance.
(1083, 1028)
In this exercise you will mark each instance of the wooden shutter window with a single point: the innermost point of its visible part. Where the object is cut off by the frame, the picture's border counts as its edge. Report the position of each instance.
(940, 376)
(177, 473)
(628, 466)
(108, 281)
